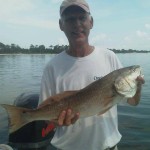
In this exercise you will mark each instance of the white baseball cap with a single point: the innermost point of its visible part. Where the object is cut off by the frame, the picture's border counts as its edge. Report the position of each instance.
(67, 3)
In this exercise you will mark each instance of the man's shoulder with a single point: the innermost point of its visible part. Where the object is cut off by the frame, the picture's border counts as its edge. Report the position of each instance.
(105, 52)
(56, 58)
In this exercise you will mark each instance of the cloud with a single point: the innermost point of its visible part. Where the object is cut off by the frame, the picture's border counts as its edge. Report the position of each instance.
(25, 13)
(34, 23)
(141, 34)
(56, 1)
(127, 39)
(11, 7)
(147, 26)
(62, 41)
(100, 37)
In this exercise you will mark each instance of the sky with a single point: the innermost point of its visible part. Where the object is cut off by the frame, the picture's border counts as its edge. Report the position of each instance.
(119, 24)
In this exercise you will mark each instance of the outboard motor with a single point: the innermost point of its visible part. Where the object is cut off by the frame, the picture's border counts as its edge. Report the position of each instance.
(35, 135)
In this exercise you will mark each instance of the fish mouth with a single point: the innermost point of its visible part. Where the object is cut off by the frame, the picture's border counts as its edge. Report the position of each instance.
(141, 73)
(136, 69)
(126, 83)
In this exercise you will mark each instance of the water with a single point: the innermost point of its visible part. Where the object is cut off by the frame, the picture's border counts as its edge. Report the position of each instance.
(134, 122)
(22, 73)
(19, 74)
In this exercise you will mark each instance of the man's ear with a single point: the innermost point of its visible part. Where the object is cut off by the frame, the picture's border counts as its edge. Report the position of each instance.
(60, 25)
(92, 22)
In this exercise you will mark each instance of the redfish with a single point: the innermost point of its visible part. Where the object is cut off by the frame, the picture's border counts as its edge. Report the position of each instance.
(96, 98)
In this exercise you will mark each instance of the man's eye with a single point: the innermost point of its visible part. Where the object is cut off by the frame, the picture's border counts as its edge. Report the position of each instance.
(70, 19)
(83, 18)
(74, 19)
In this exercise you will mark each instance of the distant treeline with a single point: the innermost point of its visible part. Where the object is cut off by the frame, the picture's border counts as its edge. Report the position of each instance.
(33, 49)
(41, 49)
(129, 51)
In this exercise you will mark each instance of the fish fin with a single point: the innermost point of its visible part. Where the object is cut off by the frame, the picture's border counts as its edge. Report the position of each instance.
(17, 116)
(56, 98)
(102, 112)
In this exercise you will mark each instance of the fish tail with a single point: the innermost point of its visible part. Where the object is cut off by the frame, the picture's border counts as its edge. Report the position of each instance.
(18, 116)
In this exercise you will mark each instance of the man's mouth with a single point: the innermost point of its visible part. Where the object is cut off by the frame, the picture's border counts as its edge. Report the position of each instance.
(77, 33)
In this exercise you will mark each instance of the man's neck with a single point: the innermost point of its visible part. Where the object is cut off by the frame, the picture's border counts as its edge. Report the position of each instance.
(80, 51)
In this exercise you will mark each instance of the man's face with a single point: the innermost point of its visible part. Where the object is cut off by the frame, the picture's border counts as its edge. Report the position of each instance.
(76, 24)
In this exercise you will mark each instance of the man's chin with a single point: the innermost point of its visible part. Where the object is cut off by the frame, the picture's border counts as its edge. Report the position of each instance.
(79, 40)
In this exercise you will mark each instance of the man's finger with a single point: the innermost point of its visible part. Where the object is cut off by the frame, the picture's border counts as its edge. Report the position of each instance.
(76, 117)
(68, 118)
(140, 79)
(61, 118)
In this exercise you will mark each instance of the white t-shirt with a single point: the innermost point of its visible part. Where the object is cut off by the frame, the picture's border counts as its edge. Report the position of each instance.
(65, 73)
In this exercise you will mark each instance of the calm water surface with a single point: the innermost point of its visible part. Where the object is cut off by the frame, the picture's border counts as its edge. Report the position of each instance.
(22, 73)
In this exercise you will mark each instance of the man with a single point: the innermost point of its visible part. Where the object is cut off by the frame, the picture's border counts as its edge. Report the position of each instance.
(75, 68)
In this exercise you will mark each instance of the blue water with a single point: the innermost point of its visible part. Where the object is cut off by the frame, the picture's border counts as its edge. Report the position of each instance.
(134, 122)
(22, 73)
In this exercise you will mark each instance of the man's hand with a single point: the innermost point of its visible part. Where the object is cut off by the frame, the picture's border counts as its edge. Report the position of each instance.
(136, 98)
(66, 118)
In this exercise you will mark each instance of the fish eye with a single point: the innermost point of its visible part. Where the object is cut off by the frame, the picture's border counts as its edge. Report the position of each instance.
(134, 69)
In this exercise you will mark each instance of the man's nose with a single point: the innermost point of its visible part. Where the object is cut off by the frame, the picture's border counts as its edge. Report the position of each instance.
(78, 22)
